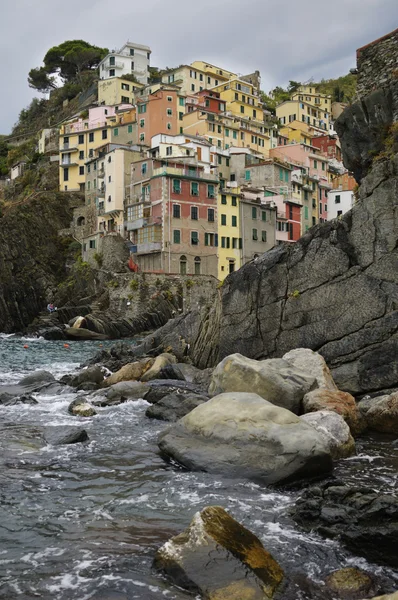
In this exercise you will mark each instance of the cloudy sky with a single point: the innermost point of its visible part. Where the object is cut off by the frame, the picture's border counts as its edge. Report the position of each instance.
(284, 39)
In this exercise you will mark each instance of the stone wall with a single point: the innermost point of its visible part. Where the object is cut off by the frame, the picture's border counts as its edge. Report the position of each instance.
(377, 64)
(131, 293)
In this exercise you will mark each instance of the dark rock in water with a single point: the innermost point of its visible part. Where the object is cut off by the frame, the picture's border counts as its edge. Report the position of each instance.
(9, 400)
(171, 372)
(88, 386)
(84, 334)
(174, 406)
(111, 399)
(119, 355)
(361, 518)
(243, 436)
(159, 388)
(54, 389)
(218, 558)
(89, 375)
(52, 333)
(133, 390)
(58, 436)
(37, 378)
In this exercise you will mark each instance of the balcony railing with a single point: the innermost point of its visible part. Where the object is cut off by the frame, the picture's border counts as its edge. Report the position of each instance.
(148, 247)
(68, 147)
(181, 172)
(116, 65)
(101, 191)
(101, 173)
(143, 222)
(70, 163)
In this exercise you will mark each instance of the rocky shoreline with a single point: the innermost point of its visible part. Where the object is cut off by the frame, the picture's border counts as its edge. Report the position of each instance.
(277, 422)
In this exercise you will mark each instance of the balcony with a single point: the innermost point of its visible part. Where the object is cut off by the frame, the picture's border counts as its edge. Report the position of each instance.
(101, 173)
(143, 222)
(68, 147)
(191, 174)
(101, 191)
(117, 64)
(70, 163)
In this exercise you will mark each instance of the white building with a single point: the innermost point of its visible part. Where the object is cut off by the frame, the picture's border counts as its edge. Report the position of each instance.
(339, 202)
(132, 59)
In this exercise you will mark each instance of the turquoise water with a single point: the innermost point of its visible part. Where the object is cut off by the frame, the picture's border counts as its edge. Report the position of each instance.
(84, 522)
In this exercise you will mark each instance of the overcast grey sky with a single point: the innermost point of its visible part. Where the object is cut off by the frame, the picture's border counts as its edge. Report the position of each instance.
(284, 39)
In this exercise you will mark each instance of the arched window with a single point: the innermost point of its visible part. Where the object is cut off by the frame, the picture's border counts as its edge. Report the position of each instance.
(80, 221)
(197, 265)
(183, 265)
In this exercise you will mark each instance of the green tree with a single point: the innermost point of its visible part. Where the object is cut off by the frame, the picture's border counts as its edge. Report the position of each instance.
(69, 61)
(293, 86)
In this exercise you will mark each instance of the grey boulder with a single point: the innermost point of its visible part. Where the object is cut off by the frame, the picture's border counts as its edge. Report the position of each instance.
(313, 364)
(334, 430)
(59, 436)
(242, 435)
(381, 413)
(275, 380)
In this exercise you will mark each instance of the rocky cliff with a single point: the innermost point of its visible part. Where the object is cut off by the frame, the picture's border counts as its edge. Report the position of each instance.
(32, 256)
(334, 291)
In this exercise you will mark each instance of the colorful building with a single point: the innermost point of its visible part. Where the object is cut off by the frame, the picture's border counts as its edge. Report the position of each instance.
(229, 232)
(191, 79)
(160, 111)
(171, 211)
(309, 107)
(79, 138)
(339, 202)
(117, 90)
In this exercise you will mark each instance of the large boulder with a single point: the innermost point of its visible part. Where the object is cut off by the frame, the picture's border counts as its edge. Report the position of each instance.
(220, 559)
(350, 583)
(387, 597)
(242, 435)
(130, 372)
(381, 413)
(10, 400)
(275, 380)
(340, 402)
(133, 390)
(363, 519)
(161, 361)
(36, 379)
(84, 334)
(90, 375)
(59, 436)
(313, 364)
(334, 430)
(174, 406)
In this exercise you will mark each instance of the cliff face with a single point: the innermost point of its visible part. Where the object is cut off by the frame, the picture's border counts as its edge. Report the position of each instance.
(32, 256)
(334, 291)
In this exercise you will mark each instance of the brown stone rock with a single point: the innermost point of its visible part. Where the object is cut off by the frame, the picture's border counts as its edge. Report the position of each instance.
(388, 597)
(350, 583)
(161, 361)
(130, 372)
(220, 559)
(340, 402)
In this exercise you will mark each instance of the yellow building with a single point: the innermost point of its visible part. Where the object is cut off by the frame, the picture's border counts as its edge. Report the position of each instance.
(308, 107)
(215, 73)
(117, 90)
(297, 132)
(79, 138)
(242, 99)
(308, 93)
(192, 79)
(225, 131)
(229, 232)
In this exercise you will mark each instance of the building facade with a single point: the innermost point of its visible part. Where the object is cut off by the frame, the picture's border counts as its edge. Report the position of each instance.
(339, 202)
(132, 59)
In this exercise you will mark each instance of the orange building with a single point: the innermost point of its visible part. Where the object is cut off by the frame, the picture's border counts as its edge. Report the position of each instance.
(159, 112)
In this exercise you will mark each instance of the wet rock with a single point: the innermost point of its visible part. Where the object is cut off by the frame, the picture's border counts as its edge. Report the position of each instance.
(244, 436)
(81, 408)
(133, 390)
(159, 388)
(112, 400)
(59, 436)
(36, 379)
(87, 375)
(9, 400)
(171, 372)
(334, 430)
(313, 364)
(52, 333)
(220, 559)
(130, 372)
(350, 583)
(161, 361)
(174, 406)
(340, 402)
(54, 389)
(362, 519)
(275, 380)
(88, 386)
(381, 413)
